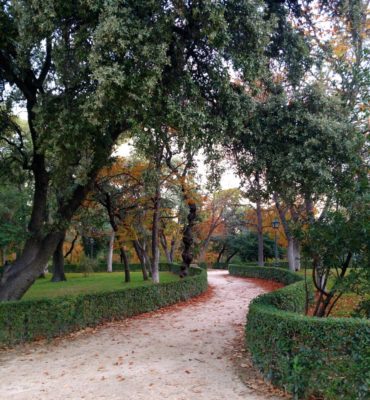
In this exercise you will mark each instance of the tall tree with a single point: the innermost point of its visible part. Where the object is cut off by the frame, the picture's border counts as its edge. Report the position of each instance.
(56, 59)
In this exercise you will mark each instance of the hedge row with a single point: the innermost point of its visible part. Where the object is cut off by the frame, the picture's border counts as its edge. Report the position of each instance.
(116, 267)
(307, 356)
(26, 320)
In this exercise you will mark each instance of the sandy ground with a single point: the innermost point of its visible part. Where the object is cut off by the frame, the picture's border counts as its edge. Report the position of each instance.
(181, 353)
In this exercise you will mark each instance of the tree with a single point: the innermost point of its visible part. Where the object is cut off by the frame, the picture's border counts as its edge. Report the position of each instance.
(219, 210)
(59, 60)
(337, 242)
(119, 190)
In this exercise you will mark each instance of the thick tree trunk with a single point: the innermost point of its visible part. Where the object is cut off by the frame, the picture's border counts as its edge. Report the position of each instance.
(288, 234)
(110, 252)
(297, 254)
(124, 261)
(58, 263)
(21, 274)
(291, 254)
(155, 236)
(260, 234)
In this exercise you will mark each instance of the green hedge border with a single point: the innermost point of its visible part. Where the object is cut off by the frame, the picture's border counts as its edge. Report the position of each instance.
(327, 357)
(116, 267)
(26, 320)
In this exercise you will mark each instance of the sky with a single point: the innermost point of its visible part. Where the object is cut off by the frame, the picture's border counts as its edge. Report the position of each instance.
(229, 179)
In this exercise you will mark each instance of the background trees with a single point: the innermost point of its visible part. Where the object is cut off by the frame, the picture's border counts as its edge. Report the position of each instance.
(270, 84)
(88, 72)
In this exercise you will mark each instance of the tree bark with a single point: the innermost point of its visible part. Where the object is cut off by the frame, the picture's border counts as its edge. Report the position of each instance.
(140, 254)
(20, 275)
(297, 254)
(220, 254)
(172, 251)
(287, 231)
(165, 247)
(124, 261)
(110, 252)
(58, 263)
(202, 254)
(187, 239)
(291, 254)
(260, 234)
(155, 234)
(229, 258)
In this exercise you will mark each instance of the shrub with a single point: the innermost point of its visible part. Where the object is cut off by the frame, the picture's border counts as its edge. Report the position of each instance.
(363, 309)
(26, 320)
(116, 267)
(327, 357)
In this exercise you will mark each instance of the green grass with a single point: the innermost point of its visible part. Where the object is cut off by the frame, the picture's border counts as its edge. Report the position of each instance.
(79, 283)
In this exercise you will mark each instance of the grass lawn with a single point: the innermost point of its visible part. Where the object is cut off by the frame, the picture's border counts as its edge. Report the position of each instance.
(95, 282)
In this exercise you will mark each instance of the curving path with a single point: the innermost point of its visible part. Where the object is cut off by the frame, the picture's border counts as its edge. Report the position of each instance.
(180, 353)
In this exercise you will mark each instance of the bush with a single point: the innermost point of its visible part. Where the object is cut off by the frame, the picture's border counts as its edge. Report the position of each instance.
(27, 320)
(102, 267)
(363, 309)
(327, 357)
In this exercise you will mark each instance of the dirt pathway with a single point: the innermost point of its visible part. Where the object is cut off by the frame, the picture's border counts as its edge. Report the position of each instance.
(181, 353)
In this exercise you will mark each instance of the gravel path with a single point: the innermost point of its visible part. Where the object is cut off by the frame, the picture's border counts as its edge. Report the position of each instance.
(183, 352)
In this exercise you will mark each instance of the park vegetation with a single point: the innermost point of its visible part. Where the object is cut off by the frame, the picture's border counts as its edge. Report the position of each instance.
(278, 90)
(277, 87)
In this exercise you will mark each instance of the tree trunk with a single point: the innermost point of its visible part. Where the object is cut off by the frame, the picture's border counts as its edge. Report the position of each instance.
(229, 258)
(58, 263)
(165, 247)
(124, 261)
(155, 235)
(187, 238)
(140, 254)
(110, 252)
(220, 254)
(288, 234)
(297, 254)
(260, 234)
(20, 275)
(172, 251)
(291, 255)
(203, 251)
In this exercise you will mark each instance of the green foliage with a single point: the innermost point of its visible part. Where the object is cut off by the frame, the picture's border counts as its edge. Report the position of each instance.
(363, 309)
(274, 274)
(326, 357)
(248, 246)
(26, 320)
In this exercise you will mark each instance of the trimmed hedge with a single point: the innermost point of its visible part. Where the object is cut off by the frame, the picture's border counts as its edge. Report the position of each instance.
(116, 267)
(27, 320)
(326, 357)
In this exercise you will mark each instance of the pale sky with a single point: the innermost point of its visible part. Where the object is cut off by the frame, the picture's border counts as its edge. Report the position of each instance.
(229, 179)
